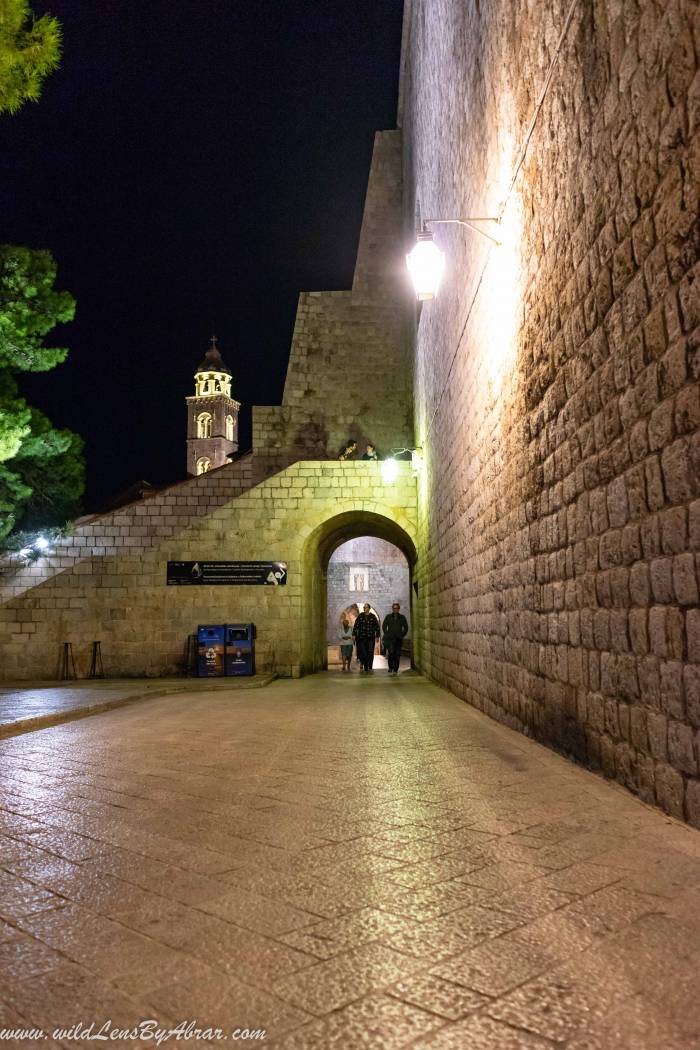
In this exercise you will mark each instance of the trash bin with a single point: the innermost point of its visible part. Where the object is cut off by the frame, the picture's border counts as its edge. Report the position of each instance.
(210, 650)
(240, 648)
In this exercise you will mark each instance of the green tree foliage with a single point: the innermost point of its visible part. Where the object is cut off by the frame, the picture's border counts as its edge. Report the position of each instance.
(13, 496)
(41, 468)
(30, 306)
(30, 48)
(50, 464)
(15, 415)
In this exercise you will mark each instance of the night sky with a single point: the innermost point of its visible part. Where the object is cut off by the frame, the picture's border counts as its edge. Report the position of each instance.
(192, 166)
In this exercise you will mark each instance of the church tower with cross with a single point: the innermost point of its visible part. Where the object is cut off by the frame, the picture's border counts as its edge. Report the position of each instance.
(212, 415)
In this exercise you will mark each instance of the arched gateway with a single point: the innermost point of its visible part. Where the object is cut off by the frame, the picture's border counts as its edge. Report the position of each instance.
(320, 545)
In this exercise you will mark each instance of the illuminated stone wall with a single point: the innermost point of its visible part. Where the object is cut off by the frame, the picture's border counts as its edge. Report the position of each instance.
(107, 580)
(556, 377)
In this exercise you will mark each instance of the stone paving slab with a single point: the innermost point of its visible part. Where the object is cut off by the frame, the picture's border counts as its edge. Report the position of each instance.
(26, 706)
(344, 862)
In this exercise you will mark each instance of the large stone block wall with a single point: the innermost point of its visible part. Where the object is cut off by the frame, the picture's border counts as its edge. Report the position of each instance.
(133, 528)
(388, 578)
(108, 580)
(556, 385)
(349, 373)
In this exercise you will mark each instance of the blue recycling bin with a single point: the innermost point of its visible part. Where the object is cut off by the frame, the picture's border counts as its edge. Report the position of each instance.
(210, 650)
(239, 658)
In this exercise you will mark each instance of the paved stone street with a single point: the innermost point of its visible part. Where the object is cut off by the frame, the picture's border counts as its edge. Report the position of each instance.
(343, 862)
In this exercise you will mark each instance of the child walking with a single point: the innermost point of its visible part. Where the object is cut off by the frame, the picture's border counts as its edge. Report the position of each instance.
(345, 639)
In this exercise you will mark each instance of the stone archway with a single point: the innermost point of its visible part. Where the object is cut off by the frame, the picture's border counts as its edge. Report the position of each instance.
(319, 547)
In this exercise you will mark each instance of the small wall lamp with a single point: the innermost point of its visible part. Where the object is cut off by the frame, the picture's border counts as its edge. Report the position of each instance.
(425, 261)
(390, 466)
(390, 470)
(36, 548)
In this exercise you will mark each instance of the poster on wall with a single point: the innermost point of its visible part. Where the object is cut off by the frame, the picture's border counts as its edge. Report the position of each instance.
(235, 573)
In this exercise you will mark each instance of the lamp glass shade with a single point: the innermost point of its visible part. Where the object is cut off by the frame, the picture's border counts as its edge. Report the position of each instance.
(426, 264)
(390, 470)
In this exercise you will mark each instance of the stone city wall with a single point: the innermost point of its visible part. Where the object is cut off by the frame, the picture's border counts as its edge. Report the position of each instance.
(556, 377)
(108, 580)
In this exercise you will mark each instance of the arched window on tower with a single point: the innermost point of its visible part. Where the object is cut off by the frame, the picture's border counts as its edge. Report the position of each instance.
(229, 428)
(203, 465)
(204, 422)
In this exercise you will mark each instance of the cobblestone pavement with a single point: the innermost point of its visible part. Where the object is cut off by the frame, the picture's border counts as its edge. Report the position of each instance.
(344, 862)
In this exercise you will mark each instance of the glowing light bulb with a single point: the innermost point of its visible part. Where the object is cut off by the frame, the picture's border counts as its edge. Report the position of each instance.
(41, 543)
(426, 264)
(390, 470)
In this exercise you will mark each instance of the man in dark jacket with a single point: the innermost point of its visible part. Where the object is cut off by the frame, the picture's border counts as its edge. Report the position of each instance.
(394, 630)
(365, 631)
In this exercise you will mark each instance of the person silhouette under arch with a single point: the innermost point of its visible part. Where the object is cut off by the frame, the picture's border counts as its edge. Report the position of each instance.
(365, 632)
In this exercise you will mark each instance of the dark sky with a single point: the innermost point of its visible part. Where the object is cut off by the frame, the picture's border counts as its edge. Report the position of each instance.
(192, 166)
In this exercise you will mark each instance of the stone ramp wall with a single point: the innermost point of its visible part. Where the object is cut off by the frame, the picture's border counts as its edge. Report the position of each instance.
(135, 527)
(117, 591)
(557, 393)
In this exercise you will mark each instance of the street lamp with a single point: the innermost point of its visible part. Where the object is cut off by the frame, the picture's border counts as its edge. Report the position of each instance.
(426, 262)
(390, 466)
(390, 470)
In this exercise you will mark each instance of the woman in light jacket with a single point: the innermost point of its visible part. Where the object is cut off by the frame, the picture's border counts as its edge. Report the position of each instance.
(345, 639)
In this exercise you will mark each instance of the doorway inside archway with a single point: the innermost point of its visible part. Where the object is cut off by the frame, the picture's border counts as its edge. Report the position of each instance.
(372, 570)
(321, 544)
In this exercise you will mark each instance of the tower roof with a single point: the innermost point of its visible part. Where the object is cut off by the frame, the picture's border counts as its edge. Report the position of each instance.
(213, 361)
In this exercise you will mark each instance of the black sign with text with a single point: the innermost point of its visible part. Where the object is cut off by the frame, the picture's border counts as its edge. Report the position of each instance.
(255, 573)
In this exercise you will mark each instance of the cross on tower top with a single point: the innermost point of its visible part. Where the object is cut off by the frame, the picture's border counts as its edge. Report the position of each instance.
(213, 342)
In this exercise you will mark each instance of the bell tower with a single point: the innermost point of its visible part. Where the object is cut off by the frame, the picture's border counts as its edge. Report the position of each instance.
(212, 415)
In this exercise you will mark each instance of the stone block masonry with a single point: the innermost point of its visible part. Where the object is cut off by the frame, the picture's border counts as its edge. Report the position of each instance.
(135, 527)
(556, 378)
(108, 580)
